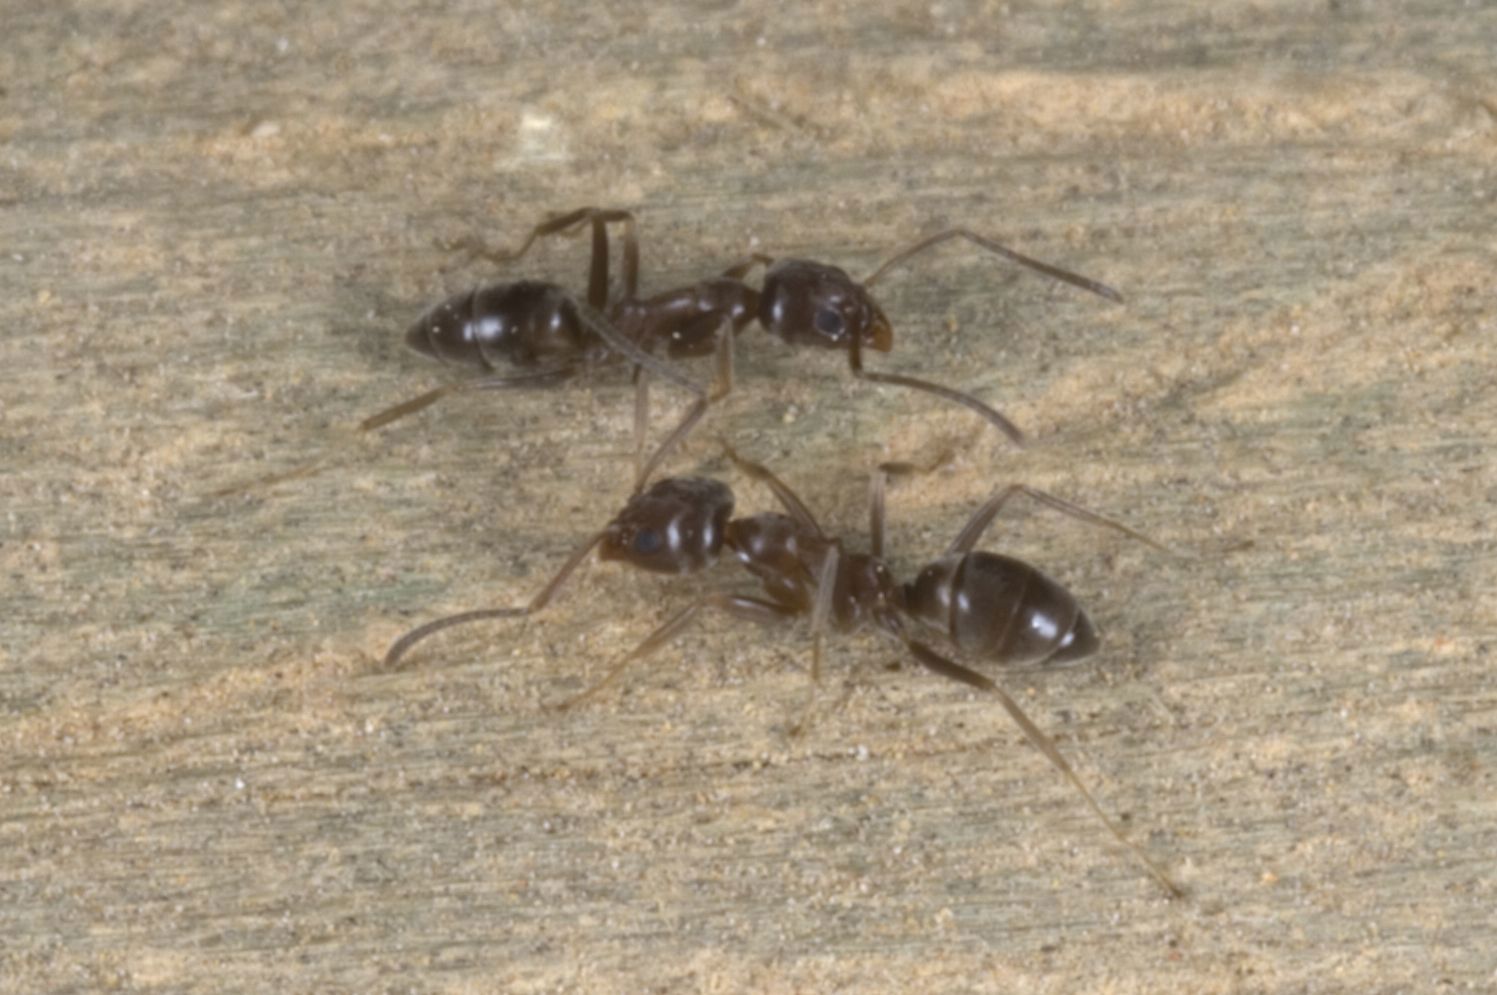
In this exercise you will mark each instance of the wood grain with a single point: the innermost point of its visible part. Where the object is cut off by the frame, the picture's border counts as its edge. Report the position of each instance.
(219, 218)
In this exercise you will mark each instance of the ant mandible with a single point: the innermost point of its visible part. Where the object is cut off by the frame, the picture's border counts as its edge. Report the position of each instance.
(984, 604)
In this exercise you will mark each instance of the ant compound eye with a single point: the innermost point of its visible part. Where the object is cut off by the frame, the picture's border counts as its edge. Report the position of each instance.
(828, 321)
(647, 542)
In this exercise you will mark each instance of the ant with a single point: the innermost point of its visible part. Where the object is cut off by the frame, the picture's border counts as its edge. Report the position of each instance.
(550, 336)
(800, 301)
(984, 604)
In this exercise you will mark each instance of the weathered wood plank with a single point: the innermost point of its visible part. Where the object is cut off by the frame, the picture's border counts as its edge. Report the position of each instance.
(218, 220)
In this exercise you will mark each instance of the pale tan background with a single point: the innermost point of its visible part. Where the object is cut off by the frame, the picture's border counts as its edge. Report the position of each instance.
(218, 219)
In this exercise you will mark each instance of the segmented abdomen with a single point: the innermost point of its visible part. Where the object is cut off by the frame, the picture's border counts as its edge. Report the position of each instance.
(502, 324)
(1001, 609)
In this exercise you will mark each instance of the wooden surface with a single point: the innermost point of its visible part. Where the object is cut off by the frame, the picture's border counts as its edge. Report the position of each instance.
(219, 218)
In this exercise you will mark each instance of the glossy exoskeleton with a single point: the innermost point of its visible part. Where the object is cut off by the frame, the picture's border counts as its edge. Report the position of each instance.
(986, 605)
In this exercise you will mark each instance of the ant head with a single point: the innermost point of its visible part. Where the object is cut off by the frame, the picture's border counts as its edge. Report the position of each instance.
(676, 526)
(816, 304)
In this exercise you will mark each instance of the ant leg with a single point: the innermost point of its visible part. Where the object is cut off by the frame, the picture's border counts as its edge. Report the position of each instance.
(476, 248)
(597, 278)
(821, 608)
(967, 538)
(787, 497)
(631, 254)
(722, 386)
(1053, 272)
(742, 606)
(876, 511)
(305, 470)
(401, 410)
(550, 374)
(877, 484)
(727, 341)
(855, 363)
(741, 269)
(1037, 738)
(597, 268)
(633, 351)
(641, 425)
(401, 646)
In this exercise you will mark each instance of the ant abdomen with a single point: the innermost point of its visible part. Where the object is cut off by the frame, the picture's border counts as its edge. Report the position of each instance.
(502, 324)
(1001, 609)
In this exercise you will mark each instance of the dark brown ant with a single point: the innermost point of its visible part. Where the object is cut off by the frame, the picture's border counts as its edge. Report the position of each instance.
(984, 604)
(800, 301)
(549, 336)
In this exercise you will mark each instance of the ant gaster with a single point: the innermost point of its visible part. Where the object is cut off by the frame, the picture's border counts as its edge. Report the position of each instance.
(985, 604)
